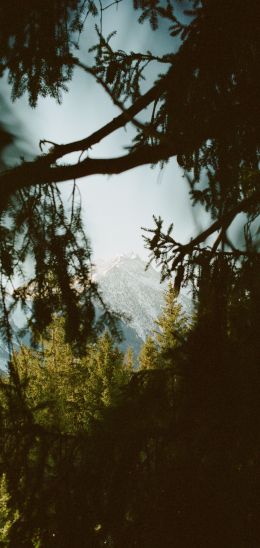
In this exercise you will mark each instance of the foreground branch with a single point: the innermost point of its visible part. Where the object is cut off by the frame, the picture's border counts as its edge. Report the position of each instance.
(34, 173)
(105, 86)
(44, 170)
(164, 246)
(118, 122)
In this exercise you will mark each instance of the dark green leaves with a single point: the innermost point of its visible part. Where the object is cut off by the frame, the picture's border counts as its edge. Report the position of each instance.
(36, 40)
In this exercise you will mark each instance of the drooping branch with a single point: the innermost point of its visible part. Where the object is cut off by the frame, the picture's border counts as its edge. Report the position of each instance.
(40, 172)
(44, 169)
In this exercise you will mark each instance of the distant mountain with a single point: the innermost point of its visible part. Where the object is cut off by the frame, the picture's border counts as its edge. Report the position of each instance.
(132, 291)
(137, 293)
(129, 289)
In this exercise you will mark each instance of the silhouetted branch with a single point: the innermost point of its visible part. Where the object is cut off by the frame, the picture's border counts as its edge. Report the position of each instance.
(168, 250)
(105, 86)
(117, 122)
(40, 172)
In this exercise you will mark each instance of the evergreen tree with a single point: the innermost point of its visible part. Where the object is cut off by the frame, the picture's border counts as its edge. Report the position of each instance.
(129, 359)
(56, 417)
(172, 328)
(107, 374)
(7, 515)
(65, 392)
(163, 348)
(51, 377)
(149, 354)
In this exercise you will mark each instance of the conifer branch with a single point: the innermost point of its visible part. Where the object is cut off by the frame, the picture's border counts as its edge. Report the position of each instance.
(39, 172)
(116, 123)
(117, 102)
(168, 250)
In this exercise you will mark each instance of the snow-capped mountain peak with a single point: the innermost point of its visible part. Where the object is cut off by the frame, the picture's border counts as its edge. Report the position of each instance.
(132, 290)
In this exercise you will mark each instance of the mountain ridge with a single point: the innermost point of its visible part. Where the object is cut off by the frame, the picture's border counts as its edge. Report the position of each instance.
(129, 289)
(133, 291)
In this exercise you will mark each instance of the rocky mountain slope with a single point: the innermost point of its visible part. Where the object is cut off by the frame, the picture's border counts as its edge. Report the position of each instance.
(130, 289)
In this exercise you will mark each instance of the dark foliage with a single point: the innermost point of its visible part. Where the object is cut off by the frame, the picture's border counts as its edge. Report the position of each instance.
(36, 230)
(36, 39)
(175, 461)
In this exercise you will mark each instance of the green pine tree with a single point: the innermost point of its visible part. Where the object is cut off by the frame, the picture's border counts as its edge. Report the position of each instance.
(162, 349)
(107, 374)
(8, 516)
(172, 324)
(129, 359)
(149, 354)
(68, 393)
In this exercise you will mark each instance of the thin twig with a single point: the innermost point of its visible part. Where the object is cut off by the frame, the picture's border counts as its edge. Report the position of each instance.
(112, 4)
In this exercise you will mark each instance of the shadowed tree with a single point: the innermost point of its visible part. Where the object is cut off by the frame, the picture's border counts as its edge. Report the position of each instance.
(149, 354)
(162, 348)
(55, 411)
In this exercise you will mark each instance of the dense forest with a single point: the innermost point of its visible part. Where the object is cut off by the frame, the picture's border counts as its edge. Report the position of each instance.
(96, 449)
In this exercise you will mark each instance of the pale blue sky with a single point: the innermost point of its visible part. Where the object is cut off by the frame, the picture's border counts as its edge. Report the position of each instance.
(115, 207)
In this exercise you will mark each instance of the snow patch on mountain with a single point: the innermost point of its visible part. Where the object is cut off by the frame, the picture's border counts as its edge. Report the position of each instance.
(130, 289)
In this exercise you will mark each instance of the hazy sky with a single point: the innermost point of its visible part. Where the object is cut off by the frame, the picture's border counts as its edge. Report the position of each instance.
(115, 207)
